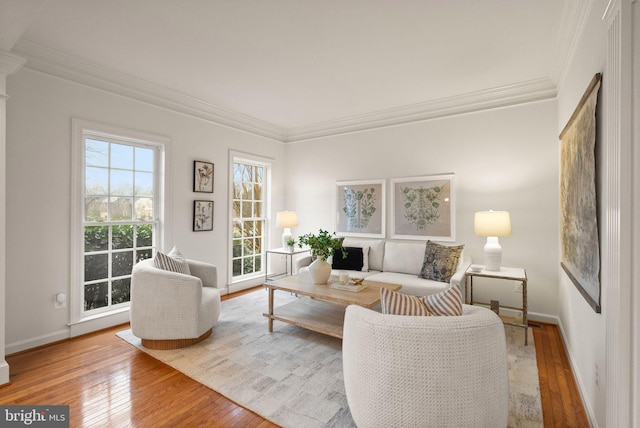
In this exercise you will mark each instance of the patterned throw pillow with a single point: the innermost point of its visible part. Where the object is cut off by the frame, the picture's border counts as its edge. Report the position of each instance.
(440, 261)
(447, 302)
(174, 261)
(394, 303)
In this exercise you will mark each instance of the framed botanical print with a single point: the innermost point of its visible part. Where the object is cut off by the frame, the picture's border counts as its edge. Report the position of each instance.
(423, 208)
(360, 207)
(202, 177)
(202, 216)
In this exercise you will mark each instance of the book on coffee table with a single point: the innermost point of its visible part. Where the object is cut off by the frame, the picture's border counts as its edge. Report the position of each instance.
(347, 287)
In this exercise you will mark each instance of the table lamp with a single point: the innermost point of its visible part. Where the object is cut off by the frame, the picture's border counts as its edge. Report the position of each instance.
(492, 224)
(286, 220)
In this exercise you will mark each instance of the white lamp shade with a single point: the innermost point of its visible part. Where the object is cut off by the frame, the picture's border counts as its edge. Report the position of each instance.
(286, 219)
(492, 223)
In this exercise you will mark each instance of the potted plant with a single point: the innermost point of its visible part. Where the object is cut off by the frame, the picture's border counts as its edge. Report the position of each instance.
(322, 245)
(290, 243)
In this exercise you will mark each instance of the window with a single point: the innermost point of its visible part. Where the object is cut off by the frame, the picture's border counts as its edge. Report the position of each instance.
(119, 215)
(248, 218)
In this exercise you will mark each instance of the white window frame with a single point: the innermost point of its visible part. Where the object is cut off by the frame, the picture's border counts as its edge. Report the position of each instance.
(267, 164)
(80, 130)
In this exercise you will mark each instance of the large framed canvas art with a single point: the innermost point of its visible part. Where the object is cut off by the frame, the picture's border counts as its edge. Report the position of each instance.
(578, 198)
(423, 207)
(360, 208)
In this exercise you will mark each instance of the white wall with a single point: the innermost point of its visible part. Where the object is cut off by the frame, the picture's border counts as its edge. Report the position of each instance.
(504, 159)
(39, 111)
(583, 330)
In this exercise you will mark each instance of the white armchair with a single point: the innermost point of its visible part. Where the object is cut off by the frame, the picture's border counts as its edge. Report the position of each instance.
(171, 310)
(431, 371)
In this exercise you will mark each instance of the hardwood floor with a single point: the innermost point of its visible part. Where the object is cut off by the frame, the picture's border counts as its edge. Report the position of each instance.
(109, 383)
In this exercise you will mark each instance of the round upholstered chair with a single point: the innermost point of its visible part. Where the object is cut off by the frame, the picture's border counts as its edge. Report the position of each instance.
(426, 371)
(171, 310)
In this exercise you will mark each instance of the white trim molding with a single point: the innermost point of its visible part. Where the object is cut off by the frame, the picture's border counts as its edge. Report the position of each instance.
(617, 269)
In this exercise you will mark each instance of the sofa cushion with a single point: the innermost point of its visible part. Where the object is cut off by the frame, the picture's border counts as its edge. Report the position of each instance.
(394, 303)
(376, 250)
(174, 261)
(403, 257)
(411, 284)
(445, 303)
(354, 260)
(440, 261)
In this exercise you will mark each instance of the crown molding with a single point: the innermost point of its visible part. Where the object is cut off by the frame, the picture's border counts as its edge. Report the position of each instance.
(10, 63)
(518, 93)
(66, 66)
(50, 61)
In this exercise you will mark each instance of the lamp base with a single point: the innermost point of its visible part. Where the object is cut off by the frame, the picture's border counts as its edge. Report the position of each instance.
(286, 235)
(492, 254)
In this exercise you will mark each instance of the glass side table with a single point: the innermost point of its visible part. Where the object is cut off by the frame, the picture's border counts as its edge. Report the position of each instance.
(288, 263)
(508, 273)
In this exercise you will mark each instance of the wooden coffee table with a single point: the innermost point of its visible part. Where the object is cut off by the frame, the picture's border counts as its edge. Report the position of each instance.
(322, 309)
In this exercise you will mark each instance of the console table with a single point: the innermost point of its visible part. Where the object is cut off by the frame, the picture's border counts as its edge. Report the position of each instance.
(288, 262)
(508, 273)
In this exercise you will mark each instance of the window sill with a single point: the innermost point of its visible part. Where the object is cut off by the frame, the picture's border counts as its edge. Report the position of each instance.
(99, 321)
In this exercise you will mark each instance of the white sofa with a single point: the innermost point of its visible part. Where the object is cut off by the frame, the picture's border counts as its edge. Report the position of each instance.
(426, 371)
(397, 263)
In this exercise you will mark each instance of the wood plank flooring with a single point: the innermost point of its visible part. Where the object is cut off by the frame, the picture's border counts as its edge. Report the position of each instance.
(109, 383)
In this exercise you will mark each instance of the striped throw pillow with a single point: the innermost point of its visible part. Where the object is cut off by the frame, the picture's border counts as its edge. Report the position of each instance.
(447, 303)
(174, 262)
(394, 303)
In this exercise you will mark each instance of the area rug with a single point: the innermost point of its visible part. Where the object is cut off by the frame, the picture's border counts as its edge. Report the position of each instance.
(293, 377)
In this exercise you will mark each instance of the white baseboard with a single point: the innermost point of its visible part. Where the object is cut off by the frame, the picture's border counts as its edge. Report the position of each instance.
(4, 372)
(576, 374)
(34, 342)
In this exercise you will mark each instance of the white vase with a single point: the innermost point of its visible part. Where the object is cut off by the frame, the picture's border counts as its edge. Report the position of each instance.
(320, 271)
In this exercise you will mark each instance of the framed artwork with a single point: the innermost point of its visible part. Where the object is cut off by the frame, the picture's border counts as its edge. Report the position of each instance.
(360, 208)
(202, 216)
(202, 177)
(423, 208)
(578, 199)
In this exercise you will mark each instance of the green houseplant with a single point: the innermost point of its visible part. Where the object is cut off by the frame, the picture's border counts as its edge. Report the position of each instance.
(322, 245)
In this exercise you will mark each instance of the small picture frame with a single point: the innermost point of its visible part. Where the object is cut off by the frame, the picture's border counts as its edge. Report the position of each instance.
(202, 216)
(202, 177)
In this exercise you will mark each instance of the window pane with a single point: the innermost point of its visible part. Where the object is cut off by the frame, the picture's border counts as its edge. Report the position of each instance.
(247, 210)
(237, 229)
(121, 156)
(96, 238)
(237, 190)
(258, 174)
(122, 263)
(258, 247)
(257, 209)
(237, 248)
(236, 208)
(96, 295)
(96, 181)
(96, 153)
(248, 247)
(144, 159)
(122, 183)
(144, 235)
(120, 209)
(258, 265)
(144, 209)
(257, 192)
(247, 265)
(143, 255)
(237, 267)
(95, 208)
(121, 291)
(144, 184)
(95, 267)
(122, 237)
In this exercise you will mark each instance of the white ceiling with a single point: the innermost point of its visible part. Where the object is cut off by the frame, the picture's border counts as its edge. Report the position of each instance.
(294, 69)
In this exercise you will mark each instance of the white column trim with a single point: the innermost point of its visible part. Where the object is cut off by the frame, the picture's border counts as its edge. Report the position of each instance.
(9, 64)
(618, 221)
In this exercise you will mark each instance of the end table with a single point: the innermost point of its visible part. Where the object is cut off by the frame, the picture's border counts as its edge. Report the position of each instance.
(288, 262)
(508, 273)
